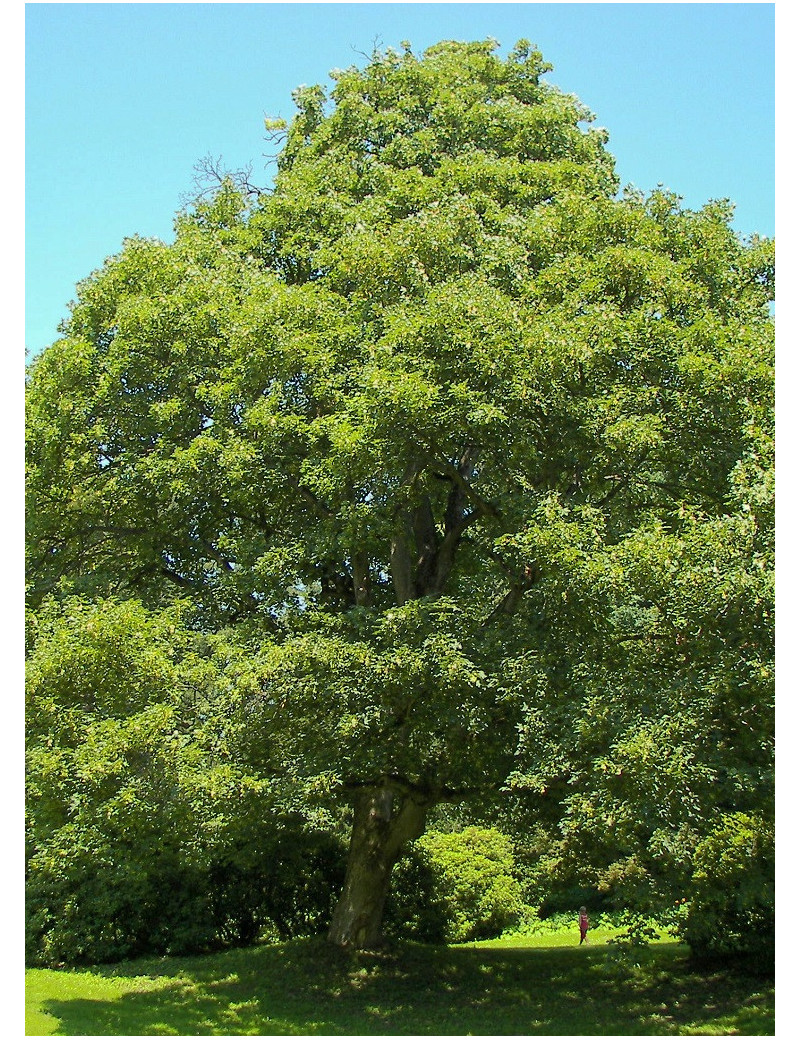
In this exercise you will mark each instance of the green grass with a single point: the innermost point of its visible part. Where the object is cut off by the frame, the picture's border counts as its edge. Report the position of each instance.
(532, 985)
(565, 933)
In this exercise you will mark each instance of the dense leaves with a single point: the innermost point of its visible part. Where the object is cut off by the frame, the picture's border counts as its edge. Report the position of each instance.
(466, 452)
(457, 886)
(144, 834)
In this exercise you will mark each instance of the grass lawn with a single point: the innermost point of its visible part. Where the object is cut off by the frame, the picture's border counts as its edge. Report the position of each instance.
(544, 984)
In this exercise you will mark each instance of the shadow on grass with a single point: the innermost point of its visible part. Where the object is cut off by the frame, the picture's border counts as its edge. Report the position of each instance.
(306, 987)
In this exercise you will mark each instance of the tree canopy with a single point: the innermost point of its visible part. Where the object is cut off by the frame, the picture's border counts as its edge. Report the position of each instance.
(460, 451)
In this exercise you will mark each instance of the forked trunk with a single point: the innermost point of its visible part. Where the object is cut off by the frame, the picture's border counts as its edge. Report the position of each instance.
(384, 821)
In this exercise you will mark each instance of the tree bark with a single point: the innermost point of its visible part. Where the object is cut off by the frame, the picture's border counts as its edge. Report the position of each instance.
(400, 564)
(384, 821)
(361, 579)
(427, 541)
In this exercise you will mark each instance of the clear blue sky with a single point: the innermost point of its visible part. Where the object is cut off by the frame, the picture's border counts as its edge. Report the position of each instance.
(123, 99)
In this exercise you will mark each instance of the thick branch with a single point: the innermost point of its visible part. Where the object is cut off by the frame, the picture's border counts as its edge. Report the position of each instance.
(447, 550)
(427, 539)
(217, 555)
(457, 475)
(400, 564)
(361, 579)
(178, 579)
(312, 499)
(399, 550)
(510, 602)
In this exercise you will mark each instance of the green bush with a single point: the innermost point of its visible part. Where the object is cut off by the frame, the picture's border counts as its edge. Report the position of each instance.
(91, 900)
(455, 887)
(143, 835)
(133, 874)
(731, 904)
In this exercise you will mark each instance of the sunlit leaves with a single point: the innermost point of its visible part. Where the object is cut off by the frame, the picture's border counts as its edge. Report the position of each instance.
(471, 453)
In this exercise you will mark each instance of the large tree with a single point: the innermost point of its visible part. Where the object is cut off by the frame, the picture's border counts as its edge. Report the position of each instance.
(381, 422)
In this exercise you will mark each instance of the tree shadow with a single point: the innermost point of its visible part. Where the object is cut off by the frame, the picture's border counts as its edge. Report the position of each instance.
(306, 987)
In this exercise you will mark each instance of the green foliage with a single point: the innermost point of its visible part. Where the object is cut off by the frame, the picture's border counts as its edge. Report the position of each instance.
(675, 729)
(402, 693)
(459, 458)
(143, 835)
(456, 886)
(732, 906)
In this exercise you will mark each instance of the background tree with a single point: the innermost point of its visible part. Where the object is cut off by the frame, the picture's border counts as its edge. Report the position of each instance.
(407, 428)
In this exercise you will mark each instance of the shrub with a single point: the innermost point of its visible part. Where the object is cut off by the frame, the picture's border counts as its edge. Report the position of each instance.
(143, 834)
(129, 877)
(455, 887)
(731, 907)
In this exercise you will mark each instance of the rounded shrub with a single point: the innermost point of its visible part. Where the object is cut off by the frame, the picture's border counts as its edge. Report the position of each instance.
(455, 887)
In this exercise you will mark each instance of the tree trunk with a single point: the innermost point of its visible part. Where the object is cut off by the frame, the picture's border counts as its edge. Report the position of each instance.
(384, 821)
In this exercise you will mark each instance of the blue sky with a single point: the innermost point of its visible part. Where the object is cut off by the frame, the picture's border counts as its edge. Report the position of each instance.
(122, 100)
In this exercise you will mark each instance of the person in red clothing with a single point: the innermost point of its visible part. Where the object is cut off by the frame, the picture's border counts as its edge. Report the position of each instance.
(583, 924)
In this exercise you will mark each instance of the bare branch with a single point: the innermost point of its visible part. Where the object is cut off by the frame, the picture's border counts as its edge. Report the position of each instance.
(210, 174)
